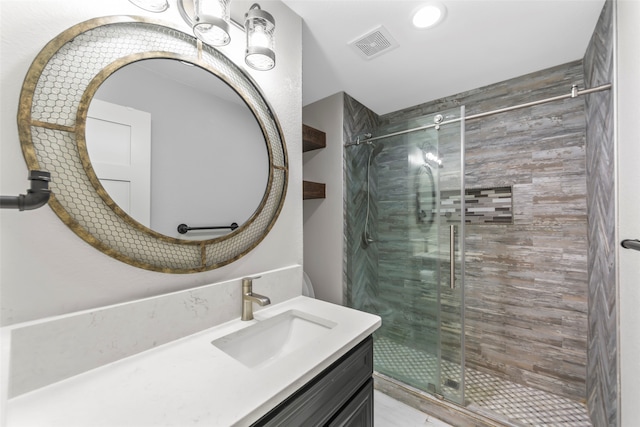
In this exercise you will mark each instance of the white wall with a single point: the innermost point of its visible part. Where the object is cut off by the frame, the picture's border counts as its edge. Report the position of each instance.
(323, 218)
(45, 269)
(627, 92)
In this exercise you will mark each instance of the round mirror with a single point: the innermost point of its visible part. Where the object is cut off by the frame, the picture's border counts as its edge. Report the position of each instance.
(173, 145)
(56, 116)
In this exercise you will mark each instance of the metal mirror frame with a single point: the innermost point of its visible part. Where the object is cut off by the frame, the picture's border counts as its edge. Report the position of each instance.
(52, 116)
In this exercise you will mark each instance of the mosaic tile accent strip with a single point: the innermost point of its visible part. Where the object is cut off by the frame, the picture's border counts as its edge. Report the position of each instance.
(485, 393)
(489, 205)
(482, 205)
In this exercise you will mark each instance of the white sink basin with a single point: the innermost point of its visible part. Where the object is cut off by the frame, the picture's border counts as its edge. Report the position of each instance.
(274, 337)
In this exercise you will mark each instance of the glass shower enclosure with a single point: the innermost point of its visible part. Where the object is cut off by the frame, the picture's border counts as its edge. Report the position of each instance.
(405, 248)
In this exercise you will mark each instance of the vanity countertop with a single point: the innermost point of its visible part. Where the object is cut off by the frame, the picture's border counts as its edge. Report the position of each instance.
(190, 382)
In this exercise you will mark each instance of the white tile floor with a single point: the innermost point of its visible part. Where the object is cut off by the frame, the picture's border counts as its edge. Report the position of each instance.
(388, 412)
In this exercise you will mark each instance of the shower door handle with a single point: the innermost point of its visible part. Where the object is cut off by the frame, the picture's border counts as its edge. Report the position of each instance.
(452, 256)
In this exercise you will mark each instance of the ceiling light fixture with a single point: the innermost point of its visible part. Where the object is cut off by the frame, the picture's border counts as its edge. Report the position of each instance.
(429, 15)
(210, 20)
(259, 26)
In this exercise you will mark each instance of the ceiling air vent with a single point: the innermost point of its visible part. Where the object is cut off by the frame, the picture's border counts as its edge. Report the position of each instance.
(374, 43)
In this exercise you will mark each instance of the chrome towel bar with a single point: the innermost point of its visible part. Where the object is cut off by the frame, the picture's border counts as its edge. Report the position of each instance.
(183, 228)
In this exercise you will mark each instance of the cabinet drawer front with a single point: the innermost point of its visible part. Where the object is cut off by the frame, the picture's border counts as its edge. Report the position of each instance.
(320, 399)
(359, 411)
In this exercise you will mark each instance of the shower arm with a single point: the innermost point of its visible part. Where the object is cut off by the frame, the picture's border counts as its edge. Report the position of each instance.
(37, 196)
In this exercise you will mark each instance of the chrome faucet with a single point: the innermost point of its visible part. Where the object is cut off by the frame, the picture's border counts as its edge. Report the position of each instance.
(248, 298)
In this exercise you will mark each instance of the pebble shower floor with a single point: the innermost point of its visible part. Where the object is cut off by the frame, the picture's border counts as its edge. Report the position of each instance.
(522, 405)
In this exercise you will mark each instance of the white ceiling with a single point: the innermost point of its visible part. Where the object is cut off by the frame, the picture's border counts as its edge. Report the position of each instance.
(480, 42)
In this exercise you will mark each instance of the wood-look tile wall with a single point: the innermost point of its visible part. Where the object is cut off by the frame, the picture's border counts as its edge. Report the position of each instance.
(526, 282)
(602, 393)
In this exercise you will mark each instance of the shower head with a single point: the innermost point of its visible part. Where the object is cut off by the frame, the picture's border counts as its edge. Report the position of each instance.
(431, 160)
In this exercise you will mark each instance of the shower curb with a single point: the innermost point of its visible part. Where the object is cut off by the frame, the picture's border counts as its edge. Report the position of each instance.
(445, 411)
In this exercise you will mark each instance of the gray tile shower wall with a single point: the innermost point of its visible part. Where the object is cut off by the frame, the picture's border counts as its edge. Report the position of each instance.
(361, 261)
(526, 282)
(602, 395)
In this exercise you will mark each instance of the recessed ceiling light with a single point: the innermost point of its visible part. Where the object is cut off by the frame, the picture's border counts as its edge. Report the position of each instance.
(429, 15)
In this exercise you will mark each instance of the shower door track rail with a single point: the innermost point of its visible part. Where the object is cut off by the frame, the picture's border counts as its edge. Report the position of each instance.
(575, 92)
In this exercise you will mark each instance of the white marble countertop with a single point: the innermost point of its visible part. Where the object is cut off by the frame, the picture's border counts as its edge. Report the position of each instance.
(189, 381)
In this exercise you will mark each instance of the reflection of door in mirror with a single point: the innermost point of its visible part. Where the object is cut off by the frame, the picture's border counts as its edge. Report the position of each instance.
(209, 158)
(120, 153)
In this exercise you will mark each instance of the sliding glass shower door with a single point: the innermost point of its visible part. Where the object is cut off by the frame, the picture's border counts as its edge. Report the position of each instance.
(405, 258)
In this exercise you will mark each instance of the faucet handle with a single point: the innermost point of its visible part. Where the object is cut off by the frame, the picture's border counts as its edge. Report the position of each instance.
(247, 283)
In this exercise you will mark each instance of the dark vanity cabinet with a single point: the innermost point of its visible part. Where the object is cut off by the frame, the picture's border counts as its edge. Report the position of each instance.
(342, 395)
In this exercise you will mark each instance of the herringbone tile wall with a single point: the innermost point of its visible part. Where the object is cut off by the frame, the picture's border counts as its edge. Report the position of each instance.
(602, 395)
(361, 263)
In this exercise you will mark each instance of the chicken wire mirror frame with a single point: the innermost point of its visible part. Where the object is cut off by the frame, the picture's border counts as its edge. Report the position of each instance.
(52, 114)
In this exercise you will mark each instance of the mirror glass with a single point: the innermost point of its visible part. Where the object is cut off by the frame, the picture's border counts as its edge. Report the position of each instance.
(173, 144)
